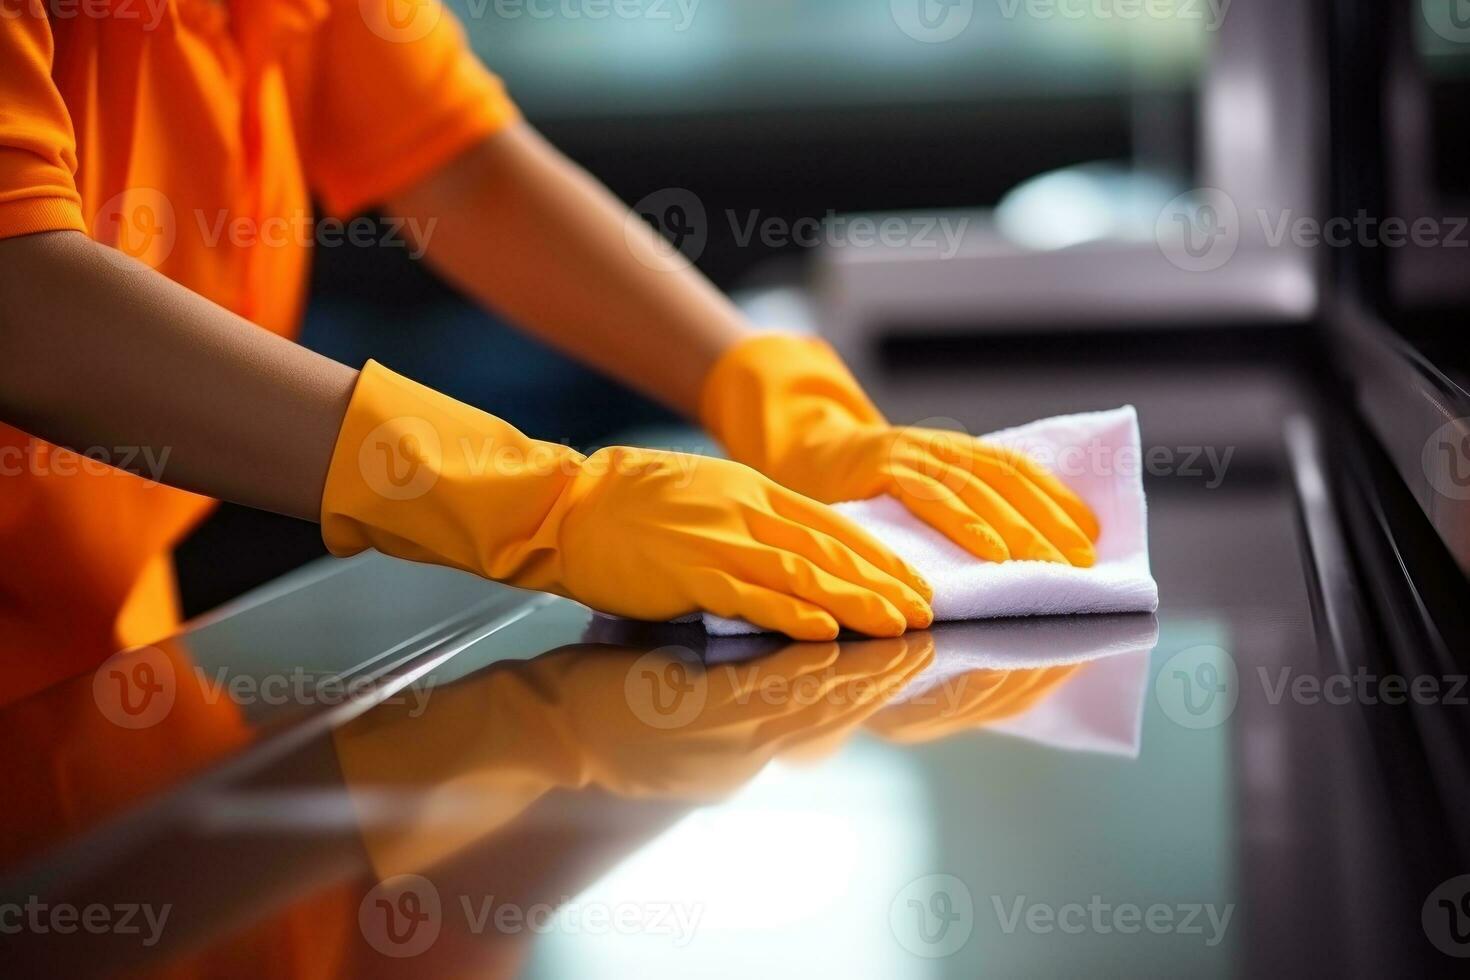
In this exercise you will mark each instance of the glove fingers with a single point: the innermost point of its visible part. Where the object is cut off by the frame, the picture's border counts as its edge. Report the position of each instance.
(1024, 541)
(820, 517)
(730, 596)
(1046, 481)
(1033, 506)
(854, 606)
(942, 509)
(835, 557)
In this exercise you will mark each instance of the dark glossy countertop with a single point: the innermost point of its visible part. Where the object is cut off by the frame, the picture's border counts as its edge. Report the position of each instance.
(465, 778)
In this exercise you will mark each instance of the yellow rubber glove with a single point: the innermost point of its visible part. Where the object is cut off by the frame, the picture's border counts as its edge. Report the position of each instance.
(637, 533)
(789, 407)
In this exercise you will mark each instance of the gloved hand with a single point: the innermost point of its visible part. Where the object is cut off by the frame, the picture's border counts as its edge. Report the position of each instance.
(637, 533)
(789, 407)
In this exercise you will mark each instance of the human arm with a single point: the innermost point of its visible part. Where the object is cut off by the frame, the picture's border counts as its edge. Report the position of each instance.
(524, 231)
(96, 349)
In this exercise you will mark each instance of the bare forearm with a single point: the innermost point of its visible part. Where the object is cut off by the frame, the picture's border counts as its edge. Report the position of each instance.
(97, 350)
(520, 228)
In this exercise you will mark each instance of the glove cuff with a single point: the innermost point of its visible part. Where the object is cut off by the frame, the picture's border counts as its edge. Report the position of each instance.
(419, 475)
(764, 392)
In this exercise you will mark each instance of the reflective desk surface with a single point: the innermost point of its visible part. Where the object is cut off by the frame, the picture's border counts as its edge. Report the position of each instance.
(376, 768)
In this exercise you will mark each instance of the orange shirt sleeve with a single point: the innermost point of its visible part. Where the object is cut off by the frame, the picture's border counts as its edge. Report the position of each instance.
(397, 93)
(38, 158)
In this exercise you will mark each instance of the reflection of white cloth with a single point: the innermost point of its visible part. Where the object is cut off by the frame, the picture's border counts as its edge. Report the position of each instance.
(1098, 455)
(1034, 641)
(1097, 709)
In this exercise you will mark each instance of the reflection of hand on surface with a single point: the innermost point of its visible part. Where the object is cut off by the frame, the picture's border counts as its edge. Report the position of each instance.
(999, 672)
(634, 722)
(737, 716)
(969, 700)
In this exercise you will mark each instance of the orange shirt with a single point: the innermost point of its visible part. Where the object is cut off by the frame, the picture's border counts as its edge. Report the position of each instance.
(192, 134)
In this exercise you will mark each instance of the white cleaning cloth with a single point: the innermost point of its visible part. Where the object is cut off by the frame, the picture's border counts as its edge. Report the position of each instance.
(1096, 454)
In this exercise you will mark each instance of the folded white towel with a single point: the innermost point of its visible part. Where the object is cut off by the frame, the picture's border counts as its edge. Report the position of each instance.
(1098, 455)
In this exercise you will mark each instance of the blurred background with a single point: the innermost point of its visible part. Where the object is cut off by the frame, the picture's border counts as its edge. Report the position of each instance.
(1053, 126)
